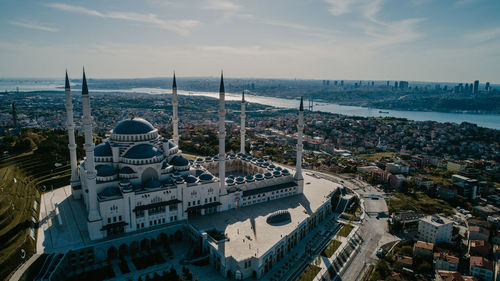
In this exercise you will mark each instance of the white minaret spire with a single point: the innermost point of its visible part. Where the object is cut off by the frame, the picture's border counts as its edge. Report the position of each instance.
(222, 136)
(89, 153)
(242, 126)
(70, 125)
(175, 113)
(300, 128)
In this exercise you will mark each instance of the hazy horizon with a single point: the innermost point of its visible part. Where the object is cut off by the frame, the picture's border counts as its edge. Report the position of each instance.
(415, 40)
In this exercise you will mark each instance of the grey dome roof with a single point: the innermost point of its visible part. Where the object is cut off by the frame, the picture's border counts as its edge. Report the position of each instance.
(105, 170)
(179, 161)
(190, 179)
(103, 150)
(169, 180)
(206, 177)
(142, 151)
(133, 126)
(110, 191)
(126, 170)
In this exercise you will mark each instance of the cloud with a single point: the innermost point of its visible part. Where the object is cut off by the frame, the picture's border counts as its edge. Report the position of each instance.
(339, 7)
(179, 26)
(381, 32)
(483, 36)
(223, 5)
(32, 25)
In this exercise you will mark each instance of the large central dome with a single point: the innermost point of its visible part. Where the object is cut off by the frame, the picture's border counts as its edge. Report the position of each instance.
(133, 126)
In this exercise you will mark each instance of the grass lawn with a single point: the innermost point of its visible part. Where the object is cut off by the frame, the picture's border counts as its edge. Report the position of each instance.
(17, 196)
(147, 261)
(311, 272)
(345, 230)
(420, 203)
(376, 156)
(330, 249)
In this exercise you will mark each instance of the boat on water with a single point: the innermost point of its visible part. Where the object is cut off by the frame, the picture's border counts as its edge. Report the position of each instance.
(385, 112)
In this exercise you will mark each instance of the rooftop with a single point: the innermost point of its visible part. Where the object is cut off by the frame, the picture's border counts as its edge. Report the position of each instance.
(246, 227)
(481, 262)
(424, 245)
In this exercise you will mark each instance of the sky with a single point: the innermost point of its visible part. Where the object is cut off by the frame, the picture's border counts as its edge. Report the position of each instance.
(416, 40)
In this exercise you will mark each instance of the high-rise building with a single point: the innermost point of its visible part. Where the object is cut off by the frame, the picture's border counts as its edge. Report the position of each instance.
(476, 86)
(487, 87)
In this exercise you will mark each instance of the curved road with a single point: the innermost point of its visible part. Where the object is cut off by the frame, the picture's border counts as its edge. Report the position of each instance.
(373, 230)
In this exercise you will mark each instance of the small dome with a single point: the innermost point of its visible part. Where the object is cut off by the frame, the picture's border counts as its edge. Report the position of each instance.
(259, 177)
(278, 169)
(171, 145)
(110, 191)
(208, 159)
(268, 175)
(105, 170)
(206, 177)
(249, 178)
(285, 172)
(198, 172)
(277, 173)
(229, 181)
(265, 164)
(179, 161)
(271, 166)
(103, 150)
(190, 179)
(216, 158)
(126, 170)
(260, 160)
(152, 184)
(142, 151)
(240, 180)
(133, 126)
(178, 180)
(169, 180)
(199, 160)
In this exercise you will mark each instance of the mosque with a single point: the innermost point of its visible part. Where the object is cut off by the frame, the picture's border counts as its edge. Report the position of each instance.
(137, 180)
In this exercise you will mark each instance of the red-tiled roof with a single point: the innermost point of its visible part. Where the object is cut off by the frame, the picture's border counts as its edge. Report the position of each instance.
(481, 262)
(424, 245)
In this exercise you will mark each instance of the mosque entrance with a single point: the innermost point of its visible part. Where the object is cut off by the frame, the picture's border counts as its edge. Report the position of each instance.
(194, 212)
(149, 174)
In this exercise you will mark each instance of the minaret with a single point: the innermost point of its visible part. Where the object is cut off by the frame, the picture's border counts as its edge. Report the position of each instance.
(222, 137)
(89, 160)
(242, 126)
(70, 125)
(14, 115)
(300, 128)
(175, 113)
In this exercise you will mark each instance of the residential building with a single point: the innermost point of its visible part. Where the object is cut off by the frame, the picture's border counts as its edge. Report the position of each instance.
(435, 229)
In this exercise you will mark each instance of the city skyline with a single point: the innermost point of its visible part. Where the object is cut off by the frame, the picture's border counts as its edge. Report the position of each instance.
(420, 40)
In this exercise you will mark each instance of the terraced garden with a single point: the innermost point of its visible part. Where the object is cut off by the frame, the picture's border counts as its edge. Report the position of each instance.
(22, 180)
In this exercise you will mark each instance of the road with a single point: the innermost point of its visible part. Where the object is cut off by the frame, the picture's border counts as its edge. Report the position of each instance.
(373, 230)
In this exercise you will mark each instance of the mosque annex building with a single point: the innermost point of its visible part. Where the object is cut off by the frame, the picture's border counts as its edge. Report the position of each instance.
(242, 213)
